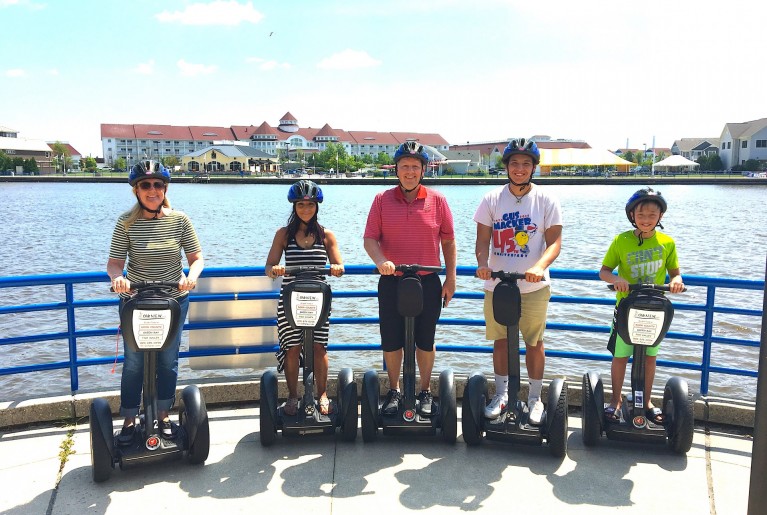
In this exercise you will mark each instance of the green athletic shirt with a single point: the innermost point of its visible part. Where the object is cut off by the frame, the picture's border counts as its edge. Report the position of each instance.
(153, 247)
(646, 264)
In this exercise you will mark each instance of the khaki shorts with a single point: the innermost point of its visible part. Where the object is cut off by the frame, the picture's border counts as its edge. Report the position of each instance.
(531, 324)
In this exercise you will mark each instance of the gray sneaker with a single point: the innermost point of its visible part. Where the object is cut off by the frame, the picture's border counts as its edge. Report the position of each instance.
(536, 411)
(497, 404)
(391, 404)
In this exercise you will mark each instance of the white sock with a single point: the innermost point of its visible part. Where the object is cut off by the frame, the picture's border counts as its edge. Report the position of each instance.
(501, 385)
(534, 393)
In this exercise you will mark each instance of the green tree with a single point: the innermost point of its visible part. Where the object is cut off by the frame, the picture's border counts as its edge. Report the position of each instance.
(629, 156)
(62, 159)
(5, 161)
(30, 165)
(383, 159)
(171, 162)
(120, 164)
(89, 164)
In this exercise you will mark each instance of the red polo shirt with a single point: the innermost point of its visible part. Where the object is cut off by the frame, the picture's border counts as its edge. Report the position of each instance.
(410, 233)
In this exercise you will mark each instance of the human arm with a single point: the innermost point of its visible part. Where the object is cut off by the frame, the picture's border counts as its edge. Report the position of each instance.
(196, 264)
(120, 283)
(334, 254)
(273, 268)
(482, 250)
(451, 259)
(553, 236)
(372, 247)
(606, 274)
(676, 284)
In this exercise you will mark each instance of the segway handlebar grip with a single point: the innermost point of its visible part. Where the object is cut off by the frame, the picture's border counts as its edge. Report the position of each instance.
(633, 287)
(142, 285)
(507, 276)
(306, 269)
(414, 269)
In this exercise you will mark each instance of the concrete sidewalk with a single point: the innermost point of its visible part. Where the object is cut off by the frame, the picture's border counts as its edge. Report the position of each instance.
(320, 475)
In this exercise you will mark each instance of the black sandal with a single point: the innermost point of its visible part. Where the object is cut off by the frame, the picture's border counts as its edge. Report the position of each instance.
(613, 414)
(655, 415)
(126, 435)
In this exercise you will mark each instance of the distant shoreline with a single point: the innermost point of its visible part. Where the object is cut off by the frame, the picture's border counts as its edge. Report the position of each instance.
(448, 181)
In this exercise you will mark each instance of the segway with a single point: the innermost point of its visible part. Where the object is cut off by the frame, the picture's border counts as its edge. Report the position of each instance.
(149, 321)
(306, 301)
(513, 424)
(408, 420)
(642, 320)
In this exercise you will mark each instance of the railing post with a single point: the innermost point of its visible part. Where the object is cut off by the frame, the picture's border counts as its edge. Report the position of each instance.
(708, 331)
(757, 494)
(71, 328)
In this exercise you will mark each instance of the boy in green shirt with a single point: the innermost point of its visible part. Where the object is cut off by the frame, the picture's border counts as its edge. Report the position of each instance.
(642, 255)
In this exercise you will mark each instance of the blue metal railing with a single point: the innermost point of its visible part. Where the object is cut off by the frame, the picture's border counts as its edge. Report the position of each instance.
(74, 362)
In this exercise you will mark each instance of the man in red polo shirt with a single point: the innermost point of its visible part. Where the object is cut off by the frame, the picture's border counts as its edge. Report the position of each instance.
(406, 226)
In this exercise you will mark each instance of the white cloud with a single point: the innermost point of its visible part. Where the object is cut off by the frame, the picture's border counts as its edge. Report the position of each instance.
(15, 72)
(22, 3)
(191, 69)
(215, 13)
(54, 72)
(348, 60)
(267, 65)
(144, 68)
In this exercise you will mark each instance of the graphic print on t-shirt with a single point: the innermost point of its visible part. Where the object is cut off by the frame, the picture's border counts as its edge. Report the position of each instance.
(644, 264)
(512, 233)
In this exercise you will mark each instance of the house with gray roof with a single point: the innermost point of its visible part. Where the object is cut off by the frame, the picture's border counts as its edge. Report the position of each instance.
(693, 148)
(740, 142)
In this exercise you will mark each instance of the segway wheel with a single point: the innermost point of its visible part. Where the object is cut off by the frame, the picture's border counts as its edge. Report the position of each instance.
(268, 419)
(591, 430)
(369, 408)
(448, 409)
(194, 420)
(678, 414)
(474, 399)
(557, 409)
(347, 403)
(102, 440)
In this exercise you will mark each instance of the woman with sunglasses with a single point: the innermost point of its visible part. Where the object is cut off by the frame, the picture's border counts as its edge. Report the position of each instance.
(152, 235)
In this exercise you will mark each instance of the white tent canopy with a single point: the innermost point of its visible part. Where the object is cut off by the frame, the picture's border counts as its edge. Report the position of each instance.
(580, 157)
(674, 161)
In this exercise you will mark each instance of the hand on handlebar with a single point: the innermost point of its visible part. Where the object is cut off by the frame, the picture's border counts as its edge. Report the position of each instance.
(120, 284)
(276, 271)
(386, 268)
(336, 270)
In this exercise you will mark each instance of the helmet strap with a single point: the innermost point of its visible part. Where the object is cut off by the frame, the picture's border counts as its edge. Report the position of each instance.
(411, 189)
(155, 211)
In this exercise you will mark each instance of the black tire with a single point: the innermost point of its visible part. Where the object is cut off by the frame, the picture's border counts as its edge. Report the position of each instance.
(101, 450)
(194, 420)
(679, 415)
(268, 419)
(448, 409)
(591, 430)
(474, 398)
(557, 409)
(347, 403)
(370, 395)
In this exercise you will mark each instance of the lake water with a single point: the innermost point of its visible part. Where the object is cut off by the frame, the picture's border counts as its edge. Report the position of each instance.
(56, 228)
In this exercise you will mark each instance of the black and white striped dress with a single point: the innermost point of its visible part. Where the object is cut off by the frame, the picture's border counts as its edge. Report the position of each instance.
(295, 255)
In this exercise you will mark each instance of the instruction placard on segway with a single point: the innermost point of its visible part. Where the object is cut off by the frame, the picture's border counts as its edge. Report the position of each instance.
(306, 308)
(645, 326)
(150, 328)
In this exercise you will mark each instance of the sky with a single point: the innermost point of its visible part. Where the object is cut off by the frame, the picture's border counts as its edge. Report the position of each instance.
(607, 72)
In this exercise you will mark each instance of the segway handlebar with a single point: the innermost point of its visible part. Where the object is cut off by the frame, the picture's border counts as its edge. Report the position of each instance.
(414, 269)
(640, 286)
(507, 276)
(143, 285)
(306, 269)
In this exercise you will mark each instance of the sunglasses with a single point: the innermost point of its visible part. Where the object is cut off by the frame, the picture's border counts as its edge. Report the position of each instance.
(146, 185)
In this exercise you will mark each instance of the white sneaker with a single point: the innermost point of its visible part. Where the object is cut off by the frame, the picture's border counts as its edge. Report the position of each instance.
(535, 406)
(496, 405)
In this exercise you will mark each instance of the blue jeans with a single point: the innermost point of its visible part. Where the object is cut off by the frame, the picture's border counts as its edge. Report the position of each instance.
(167, 372)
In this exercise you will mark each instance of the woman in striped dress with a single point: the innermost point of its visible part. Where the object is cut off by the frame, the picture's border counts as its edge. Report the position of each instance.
(152, 237)
(304, 242)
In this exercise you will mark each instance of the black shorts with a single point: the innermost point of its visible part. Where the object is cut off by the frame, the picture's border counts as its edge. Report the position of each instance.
(392, 324)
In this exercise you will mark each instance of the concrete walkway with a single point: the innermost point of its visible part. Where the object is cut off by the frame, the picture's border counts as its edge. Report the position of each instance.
(319, 475)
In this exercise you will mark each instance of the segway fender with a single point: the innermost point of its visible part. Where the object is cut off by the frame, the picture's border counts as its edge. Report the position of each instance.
(102, 415)
(269, 392)
(477, 388)
(372, 385)
(195, 410)
(678, 389)
(555, 390)
(345, 378)
(597, 390)
(448, 411)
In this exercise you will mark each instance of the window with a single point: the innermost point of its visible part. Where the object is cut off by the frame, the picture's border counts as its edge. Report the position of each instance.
(744, 144)
(761, 143)
(723, 145)
(729, 145)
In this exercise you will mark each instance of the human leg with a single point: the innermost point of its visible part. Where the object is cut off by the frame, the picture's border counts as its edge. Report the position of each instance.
(321, 376)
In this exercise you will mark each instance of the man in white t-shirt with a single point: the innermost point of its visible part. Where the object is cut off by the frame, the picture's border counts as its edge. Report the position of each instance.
(519, 229)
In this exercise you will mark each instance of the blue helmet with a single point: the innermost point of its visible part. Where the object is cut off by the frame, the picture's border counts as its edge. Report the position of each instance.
(528, 148)
(304, 190)
(411, 149)
(148, 170)
(645, 194)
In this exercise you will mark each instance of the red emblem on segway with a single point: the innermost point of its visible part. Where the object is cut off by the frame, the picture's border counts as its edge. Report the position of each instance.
(639, 421)
(152, 443)
(409, 415)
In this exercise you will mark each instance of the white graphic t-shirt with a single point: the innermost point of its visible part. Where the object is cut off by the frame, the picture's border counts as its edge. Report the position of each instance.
(519, 227)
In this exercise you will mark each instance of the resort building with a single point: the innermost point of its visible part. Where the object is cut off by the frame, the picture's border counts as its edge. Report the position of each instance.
(740, 142)
(134, 142)
(229, 159)
(13, 147)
